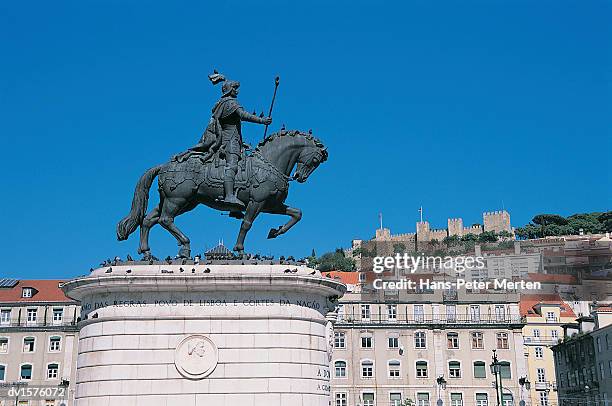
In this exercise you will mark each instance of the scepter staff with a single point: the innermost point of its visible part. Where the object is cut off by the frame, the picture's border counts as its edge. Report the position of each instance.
(276, 82)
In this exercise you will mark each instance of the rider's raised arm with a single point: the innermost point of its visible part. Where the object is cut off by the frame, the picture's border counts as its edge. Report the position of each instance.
(245, 116)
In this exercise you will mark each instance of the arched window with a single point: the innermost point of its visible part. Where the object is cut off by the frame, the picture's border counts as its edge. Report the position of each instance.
(480, 369)
(421, 369)
(367, 369)
(454, 369)
(52, 371)
(25, 372)
(55, 343)
(340, 369)
(28, 344)
(505, 370)
(394, 368)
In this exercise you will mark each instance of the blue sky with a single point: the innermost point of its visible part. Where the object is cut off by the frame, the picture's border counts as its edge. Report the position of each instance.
(459, 107)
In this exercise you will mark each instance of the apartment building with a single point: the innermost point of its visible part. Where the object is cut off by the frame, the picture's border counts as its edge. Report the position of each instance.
(544, 315)
(427, 348)
(38, 341)
(583, 360)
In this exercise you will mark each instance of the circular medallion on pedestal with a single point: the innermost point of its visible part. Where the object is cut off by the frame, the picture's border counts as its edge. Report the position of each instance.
(196, 357)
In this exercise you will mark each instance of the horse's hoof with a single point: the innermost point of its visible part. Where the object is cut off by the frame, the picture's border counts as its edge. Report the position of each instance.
(184, 253)
(146, 256)
(274, 232)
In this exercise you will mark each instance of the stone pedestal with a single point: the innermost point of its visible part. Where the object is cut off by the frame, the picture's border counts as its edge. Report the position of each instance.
(234, 335)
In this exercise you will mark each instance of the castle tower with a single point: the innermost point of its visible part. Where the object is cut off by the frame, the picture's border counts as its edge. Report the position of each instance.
(497, 221)
(455, 227)
(423, 231)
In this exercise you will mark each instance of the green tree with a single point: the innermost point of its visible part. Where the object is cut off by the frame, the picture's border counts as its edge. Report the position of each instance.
(505, 234)
(399, 248)
(544, 220)
(451, 240)
(605, 220)
(469, 237)
(487, 236)
(335, 261)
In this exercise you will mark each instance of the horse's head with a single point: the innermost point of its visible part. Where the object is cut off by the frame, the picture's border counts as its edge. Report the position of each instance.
(288, 149)
(310, 157)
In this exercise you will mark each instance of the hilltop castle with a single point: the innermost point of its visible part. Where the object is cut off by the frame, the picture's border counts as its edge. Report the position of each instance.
(495, 221)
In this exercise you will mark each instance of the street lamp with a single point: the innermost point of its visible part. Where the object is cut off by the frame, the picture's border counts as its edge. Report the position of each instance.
(441, 386)
(496, 371)
(524, 382)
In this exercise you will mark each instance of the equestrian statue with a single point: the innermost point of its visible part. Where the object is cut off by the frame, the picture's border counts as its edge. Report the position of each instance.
(222, 172)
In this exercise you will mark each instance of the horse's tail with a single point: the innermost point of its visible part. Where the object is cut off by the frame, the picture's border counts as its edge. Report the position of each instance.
(139, 204)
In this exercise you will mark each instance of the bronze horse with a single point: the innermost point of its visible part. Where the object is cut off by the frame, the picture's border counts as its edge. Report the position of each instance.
(262, 183)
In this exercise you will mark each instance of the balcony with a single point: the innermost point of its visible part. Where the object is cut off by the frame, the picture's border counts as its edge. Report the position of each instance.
(427, 319)
(28, 324)
(542, 340)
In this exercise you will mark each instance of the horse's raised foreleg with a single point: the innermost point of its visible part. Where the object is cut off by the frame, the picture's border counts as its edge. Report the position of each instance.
(295, 213)
(170, 208)
(252, 210)
(147, 223)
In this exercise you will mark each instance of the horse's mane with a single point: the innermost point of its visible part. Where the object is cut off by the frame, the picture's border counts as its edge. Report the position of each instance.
(291, 133)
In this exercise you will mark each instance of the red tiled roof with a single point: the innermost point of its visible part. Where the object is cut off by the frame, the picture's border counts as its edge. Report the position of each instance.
(553, 278)
(604, 309)
(48, 291)
(529, 301)
(348, 278)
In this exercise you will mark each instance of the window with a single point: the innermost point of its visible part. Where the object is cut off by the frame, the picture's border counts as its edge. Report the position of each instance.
(31, 318)
(393, 341)
(392, 312)
(368, 399)
(55, 343)
(539, 352)
(477, 340)
(500, 313)
(4, 345)
(340, 312)
(543, 398)
(365, 312)
(475, 312)
(507, 399)
(452, 340)
(367, 369)
(550, 317)
(49, 402)
(395, 399)
(598, 344)
(419, 313)
(27, 292)
(454, 369)
(28, 344)
(541, 375)
(366, 340)
(536, 333)
(394, 369)
(481, 399)
(2, 372)
(504, 370)
(610, 367)
(420, 340)
(26, 372)
(502, 341)
(340, 369)
(480, 369)
(422, 399)
(5, 316)
(341, 399)
(554, 334)
(456, 399)
(58, 316)
(421, 369)
(451, 313)
(52, 371)
(602, 371)
(362, 277)
(339, 340)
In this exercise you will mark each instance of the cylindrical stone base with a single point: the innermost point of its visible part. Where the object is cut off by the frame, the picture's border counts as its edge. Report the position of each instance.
(245, 335)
